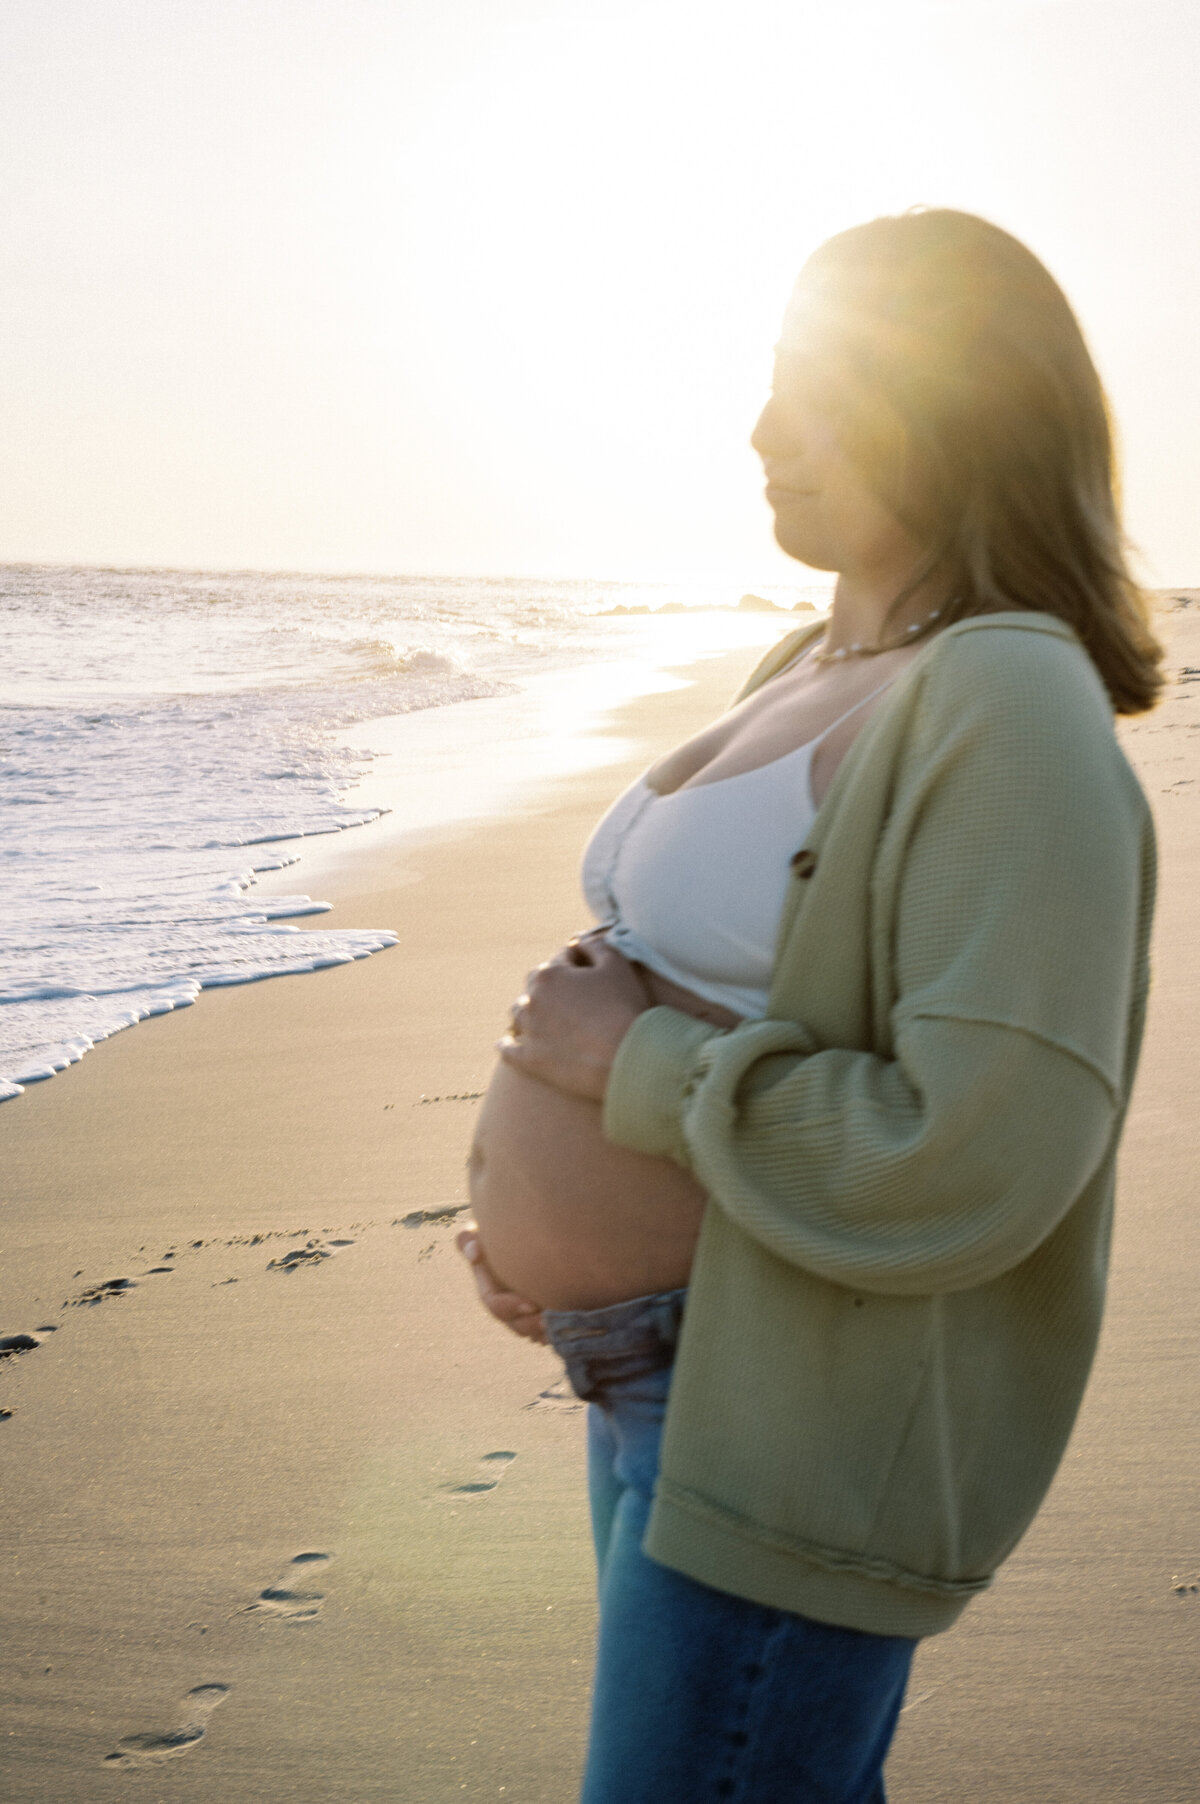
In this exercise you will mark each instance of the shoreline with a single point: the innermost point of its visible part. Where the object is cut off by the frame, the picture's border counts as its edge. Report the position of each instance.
(558, 723)
(420, 771)
(425, 773)
(177, 1445)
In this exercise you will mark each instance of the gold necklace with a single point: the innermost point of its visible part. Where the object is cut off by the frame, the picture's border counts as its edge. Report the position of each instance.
(869, 651)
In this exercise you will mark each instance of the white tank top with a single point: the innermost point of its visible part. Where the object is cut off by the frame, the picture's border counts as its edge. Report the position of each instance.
(692, 884)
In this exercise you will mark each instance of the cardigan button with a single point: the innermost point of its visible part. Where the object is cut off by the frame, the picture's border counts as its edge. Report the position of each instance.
(804, 862)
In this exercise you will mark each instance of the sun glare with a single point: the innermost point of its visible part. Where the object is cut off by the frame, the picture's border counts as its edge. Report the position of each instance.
(588, 265)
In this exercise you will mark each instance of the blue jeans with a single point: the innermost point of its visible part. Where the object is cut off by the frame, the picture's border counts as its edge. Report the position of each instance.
(700, 1695)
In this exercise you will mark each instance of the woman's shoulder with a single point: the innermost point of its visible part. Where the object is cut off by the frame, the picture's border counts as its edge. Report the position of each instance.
(1017, 666)
(1015, 698)
(1017, 636)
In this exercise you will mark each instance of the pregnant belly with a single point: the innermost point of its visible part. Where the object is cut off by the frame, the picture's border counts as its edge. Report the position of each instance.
(567, 1218)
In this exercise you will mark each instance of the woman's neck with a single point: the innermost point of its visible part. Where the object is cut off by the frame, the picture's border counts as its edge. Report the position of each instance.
(865, 611)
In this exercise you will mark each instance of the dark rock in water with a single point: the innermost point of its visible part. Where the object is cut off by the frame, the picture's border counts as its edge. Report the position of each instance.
(17, 1343)
(758, 604)
(805, 607)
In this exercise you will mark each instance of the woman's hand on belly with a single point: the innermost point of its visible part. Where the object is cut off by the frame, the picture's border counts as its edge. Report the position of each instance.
(577, 1008)
(518, 1313)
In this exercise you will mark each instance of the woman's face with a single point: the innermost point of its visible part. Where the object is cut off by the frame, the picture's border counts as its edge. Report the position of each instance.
(826, 514)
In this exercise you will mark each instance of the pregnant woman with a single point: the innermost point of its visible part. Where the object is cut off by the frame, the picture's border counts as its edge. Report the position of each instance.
(802, 1158)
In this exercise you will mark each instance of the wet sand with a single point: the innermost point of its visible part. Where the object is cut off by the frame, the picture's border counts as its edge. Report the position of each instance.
(286, 1517)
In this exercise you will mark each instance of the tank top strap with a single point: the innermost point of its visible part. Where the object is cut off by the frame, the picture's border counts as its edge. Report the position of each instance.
(812, 744)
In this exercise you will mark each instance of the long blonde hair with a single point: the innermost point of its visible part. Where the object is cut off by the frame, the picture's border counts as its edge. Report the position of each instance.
(963, 388)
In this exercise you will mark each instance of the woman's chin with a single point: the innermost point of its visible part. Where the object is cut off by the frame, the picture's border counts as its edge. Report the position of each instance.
(803, 546)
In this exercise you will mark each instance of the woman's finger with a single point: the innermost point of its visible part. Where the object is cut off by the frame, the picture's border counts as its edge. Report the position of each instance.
(578, 950)
(531, 1328)
(501, 1301)
(516, 1312)
(534, 1058)
(516, 1050)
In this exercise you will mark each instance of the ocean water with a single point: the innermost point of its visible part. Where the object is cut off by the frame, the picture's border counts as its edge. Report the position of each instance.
(167, 738)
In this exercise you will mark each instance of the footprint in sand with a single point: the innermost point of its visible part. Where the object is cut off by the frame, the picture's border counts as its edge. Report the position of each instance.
(151, 1749)
(13, 1344)
(437, 1218)
(493, 1466)
(280, 1602)
(101, 1293)
(312, 1254)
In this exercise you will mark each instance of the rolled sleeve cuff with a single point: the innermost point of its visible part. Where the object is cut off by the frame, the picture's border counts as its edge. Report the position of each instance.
(650, 1081)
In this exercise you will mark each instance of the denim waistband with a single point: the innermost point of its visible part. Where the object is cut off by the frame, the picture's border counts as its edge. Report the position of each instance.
(600, 1347)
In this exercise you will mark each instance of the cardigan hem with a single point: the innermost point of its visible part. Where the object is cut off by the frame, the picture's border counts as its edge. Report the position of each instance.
(766, 1566)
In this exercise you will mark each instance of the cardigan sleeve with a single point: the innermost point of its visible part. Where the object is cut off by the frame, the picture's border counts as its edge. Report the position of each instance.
(1020, 849)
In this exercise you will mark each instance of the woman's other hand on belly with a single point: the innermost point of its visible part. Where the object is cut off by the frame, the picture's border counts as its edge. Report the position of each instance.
(576, 1010)
(516, 1312)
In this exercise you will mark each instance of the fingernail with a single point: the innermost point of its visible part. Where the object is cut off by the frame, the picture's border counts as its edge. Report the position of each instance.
(471, 1250)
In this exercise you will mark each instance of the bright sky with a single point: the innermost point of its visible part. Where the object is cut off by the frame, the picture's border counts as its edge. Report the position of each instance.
(491, 285)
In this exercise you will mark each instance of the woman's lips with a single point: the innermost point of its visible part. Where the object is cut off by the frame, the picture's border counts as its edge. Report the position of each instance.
(777, 492)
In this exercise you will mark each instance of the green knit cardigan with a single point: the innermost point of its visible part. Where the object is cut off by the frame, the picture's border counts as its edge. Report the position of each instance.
(899, 1283)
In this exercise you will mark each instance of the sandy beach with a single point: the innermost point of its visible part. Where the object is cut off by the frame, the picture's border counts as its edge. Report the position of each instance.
(285, 1516)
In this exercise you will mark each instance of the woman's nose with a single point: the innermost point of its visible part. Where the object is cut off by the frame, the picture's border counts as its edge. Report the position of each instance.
(767, 439)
